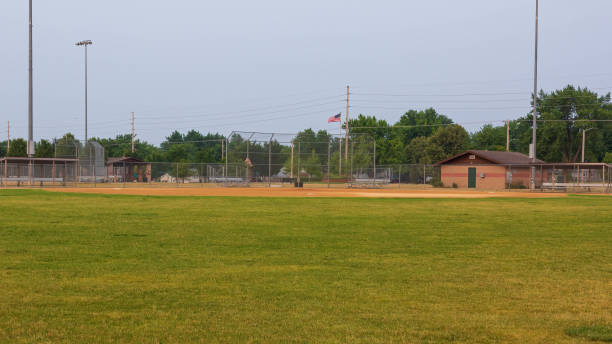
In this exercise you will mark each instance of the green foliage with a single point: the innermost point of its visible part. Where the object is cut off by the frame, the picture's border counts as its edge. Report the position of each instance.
(451, 139)
(180, 170)
(489, 138)
(562, 141)
(608, 158)
(423, 137)
(44, 149)
(3, 149)
(18, 148)
(425, 123)
(67, 147)
(437, 183)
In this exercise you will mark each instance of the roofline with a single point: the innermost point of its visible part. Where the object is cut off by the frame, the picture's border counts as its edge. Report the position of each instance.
(475, 152)
(36, 159)
(471, 151)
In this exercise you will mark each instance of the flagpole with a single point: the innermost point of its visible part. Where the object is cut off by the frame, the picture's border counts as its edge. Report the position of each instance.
(340, 155)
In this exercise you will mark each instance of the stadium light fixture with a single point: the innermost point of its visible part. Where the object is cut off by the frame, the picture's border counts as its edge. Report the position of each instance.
(85, 44)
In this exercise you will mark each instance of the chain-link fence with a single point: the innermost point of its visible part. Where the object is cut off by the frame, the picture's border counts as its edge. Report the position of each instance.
(78, 172)
(307, 157)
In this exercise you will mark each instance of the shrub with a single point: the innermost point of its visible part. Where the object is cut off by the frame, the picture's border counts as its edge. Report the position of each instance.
(455, 185)
(437, 184)
(518, 185)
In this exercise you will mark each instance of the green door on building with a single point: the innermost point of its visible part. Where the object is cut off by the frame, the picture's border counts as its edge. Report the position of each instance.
(471, 177)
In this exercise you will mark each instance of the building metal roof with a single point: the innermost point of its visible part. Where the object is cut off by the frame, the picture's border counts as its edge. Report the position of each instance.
(497, 157)
(26, 159)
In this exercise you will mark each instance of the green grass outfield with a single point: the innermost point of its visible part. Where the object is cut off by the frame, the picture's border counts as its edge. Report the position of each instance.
(78, 268)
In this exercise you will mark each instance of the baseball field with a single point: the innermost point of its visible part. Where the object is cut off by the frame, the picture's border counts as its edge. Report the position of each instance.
(116, 268)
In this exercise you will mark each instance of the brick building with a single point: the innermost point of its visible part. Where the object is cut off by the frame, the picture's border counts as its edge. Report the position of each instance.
(489, 170)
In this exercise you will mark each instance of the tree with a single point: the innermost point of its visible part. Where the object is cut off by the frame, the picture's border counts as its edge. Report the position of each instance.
(419, 151)
(564, 114)
(44, 149)
(452, 140)
(389, 147)
(3, 149)
(67, 147)
(18, 148)
(489, 138)
(424, 123)
(608, 158)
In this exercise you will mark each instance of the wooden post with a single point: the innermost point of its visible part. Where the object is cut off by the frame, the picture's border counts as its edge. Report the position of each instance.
(507, 136)
(347, 125)
(292, 144)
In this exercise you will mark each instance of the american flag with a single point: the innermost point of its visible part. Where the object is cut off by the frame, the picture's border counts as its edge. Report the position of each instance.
(335, 118)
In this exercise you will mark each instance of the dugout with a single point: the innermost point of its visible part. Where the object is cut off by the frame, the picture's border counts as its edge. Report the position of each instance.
(23, 170)
(128, 169)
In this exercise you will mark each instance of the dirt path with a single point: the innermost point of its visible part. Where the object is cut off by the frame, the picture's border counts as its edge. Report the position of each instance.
(310, 192)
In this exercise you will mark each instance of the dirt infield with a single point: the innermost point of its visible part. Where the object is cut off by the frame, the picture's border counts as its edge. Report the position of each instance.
(311, 192)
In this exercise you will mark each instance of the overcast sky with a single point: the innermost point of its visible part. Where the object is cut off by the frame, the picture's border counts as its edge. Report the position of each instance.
(281, 66)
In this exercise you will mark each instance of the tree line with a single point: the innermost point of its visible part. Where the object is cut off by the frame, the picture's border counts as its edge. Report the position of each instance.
(418, 137)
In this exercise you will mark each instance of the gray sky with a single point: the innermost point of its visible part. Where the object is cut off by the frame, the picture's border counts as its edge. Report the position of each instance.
(281, 66)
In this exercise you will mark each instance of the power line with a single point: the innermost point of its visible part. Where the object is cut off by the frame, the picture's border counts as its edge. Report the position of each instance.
(455, 94)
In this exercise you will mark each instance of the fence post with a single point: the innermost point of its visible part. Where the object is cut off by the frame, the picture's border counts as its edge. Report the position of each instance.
(399, 177)
(30, 172)
(270, 162)
(424, 175)
(93, 165)
(350, 178)
(124, 174)
(299, 174)
(225, 169)
(374, 162)
(603, 177)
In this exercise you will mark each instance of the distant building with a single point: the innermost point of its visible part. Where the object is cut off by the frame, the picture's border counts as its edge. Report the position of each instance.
(127, 169)
(489, 170)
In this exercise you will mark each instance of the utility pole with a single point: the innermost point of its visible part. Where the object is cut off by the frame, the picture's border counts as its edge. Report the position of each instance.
(30, 90)
(347, 125)
(507, 136)
(535, 99)
(8, 138)
(133, 132)
(291, 159)
(584, 140)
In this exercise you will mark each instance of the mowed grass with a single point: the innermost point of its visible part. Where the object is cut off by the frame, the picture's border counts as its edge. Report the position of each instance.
(78, 268)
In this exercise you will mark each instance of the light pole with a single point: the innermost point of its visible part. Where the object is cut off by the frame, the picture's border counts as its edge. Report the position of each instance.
(535, 100)
(584, 139)
(30, 92)
(85, 44)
